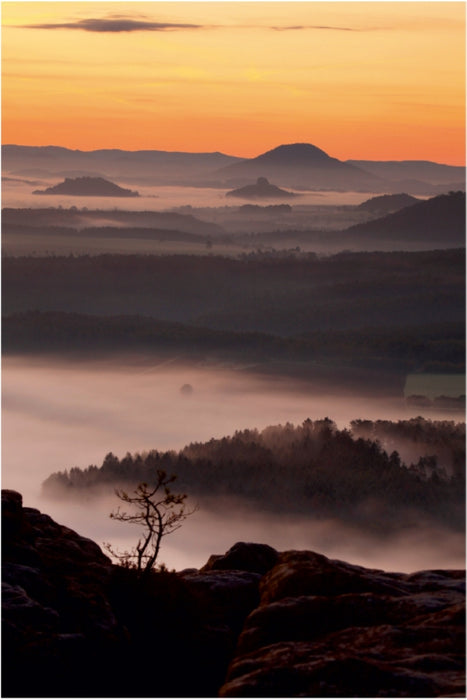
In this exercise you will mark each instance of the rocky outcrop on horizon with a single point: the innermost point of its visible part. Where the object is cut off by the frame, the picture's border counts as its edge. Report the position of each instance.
(262, 189)
(253, 622)
(88, 187)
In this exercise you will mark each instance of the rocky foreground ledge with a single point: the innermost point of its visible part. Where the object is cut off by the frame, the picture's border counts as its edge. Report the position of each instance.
(251, 623)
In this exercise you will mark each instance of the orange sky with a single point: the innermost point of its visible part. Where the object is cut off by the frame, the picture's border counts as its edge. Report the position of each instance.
(369, 80)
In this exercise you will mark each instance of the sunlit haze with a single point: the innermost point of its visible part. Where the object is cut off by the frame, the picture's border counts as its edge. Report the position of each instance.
(361, 80)
(74, 415)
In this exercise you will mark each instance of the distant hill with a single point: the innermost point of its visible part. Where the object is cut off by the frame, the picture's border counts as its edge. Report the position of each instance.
(142, 167)
(261, 190)
(388, 203)
(88, 187)
(421, 170)
(296, 165)
(296, 155)
(440, 217)
(302, 166)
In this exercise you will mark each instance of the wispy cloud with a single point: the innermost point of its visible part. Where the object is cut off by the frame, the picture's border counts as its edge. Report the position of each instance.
(114, 25)
(304, 26)
(119, 23)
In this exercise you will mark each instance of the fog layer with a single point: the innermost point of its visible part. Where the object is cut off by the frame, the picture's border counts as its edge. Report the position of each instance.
(19, 194)
(58, 415)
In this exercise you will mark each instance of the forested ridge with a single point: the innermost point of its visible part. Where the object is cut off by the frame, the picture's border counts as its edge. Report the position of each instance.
(437, 347)
(152, 233)
(283, 296)
(401, 312)
(422, 220)
(313, 469)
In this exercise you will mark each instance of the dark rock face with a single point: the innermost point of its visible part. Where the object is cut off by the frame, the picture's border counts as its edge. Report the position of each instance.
(252, 622)
(53, 601)
(81, 626)
(329, 629)
(245, 556)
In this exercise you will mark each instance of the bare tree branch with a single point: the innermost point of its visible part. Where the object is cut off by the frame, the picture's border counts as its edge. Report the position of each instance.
(158, 517)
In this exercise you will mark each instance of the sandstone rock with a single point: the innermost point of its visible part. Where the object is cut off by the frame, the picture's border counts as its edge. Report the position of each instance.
(330, 629)
(54, 589)
(309, 617)
(244, 556)
(295, 670)
(12, 503)
(289, 624)
(309, 573)
(226, 597)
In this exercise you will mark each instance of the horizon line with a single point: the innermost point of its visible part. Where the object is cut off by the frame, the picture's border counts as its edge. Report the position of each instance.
(162, 150)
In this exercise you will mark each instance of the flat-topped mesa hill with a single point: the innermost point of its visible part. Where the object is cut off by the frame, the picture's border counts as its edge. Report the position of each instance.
(88, 187)
(262, 189)
(302, 166)
(253, 622)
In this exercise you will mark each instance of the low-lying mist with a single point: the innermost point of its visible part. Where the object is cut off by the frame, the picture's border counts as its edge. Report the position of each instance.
(17, 193)
(59, 414)
(216, 526)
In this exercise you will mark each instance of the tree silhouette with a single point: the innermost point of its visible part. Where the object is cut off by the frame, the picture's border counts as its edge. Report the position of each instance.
(159, 511)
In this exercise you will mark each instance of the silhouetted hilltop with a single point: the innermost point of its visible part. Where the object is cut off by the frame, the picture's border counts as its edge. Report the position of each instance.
(297, 155)
(261, 190)
(299, 165)
(303, 166)
(388, 203)
(442, 215)
(88, 187)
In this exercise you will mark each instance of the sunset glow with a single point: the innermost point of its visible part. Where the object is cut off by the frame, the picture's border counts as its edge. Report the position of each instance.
(365, 80)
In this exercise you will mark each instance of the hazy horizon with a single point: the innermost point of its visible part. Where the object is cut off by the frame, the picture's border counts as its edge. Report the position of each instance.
(291, 82)
(356, 156)
(367, 81)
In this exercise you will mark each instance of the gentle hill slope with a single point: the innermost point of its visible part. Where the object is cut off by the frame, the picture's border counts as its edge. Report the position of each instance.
(388, 203)
(145, 167)
(425, 170)
(301, 165)
(440, 216)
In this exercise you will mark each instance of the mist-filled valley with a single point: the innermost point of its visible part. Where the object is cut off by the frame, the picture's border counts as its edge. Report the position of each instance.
(320, 222)
(176, 326)
(233, 289)
(58, 415)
